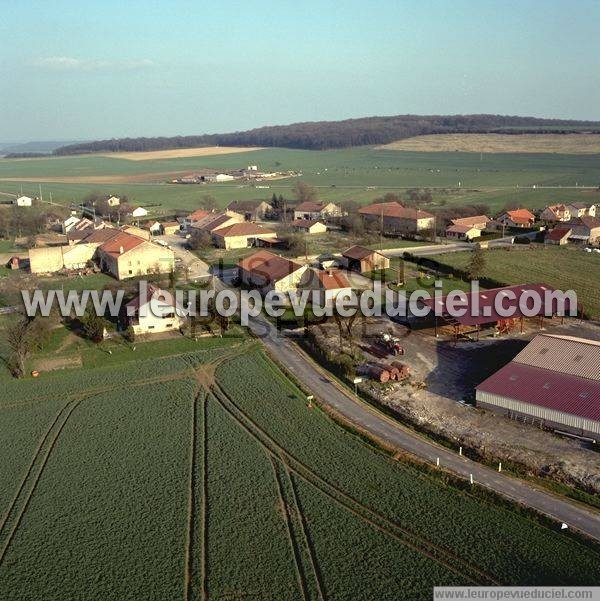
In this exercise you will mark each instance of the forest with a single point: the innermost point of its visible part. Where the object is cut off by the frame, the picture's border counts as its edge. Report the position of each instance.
(324, 135)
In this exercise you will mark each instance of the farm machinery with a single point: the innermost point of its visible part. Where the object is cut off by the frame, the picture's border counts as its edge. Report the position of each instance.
(390, 343)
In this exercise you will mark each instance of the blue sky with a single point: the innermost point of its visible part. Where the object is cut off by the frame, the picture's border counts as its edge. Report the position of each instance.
(82, 69)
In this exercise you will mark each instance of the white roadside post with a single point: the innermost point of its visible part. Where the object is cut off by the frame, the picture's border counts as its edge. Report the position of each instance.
(460, 451)
(471, 478)
(310, 399)
(500, 466)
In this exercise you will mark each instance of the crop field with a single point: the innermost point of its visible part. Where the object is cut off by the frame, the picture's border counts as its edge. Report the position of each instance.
(205, 476)
(357, 174)
(565, 268)
(178, 153)
(493, 143)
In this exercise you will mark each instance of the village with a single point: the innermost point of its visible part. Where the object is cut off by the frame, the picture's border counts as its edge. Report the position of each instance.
(429, 372)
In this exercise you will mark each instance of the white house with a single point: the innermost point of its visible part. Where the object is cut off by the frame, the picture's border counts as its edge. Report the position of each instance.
(113, 201)
(154, 312)
(139, 212)
(23, 201)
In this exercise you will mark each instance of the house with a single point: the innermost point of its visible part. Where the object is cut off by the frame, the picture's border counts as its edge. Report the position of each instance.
(268, 271)
(70, 222)
(126, 256)
(517, 218)
(317, 210)
(136, 231)
(364, 260)
(329, 284)
(192, 218)
(554, 382)
(154, 312)
(579, 209)
(477, 221)
(170, 227)
(23, 201)
(393, 218)
(558, 235)
(554, 213)
(462, 232)
(139, 212)
(154, 227)
(585, 230)
(71, 256)
(214, 221)
(113, 201)
(242, 235)
(309, 226)
(252, 210)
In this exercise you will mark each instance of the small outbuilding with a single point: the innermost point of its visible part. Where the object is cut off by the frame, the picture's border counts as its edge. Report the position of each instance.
(362, 259)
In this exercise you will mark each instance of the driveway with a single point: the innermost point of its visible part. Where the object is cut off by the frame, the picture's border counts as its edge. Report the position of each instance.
(197, 268)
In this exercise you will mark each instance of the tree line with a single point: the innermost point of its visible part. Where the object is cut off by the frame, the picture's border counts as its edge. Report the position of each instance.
(323, 135)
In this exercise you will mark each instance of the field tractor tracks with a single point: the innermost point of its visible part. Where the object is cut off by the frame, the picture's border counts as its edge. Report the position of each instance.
(195, 549)
(415, 541)
(12, 519)
(308, 574)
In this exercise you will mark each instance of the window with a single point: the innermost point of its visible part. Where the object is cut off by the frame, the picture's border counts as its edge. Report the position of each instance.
(130, 272)
(577, 358)
(150, 327)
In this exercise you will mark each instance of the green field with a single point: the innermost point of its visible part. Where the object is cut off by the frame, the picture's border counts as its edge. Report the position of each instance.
(358, 174)
(565, 268)
(173, 478)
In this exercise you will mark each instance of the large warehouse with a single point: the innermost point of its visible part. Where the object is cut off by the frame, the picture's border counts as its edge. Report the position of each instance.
(554, 382)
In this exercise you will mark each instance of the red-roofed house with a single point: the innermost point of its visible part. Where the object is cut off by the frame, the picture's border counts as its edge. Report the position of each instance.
(397, 219)
(309, 226)
(517, 218)
(126, 256)
(317, 210)
(554, 213)
(462, 232)
(268, 271)
(242, 235)
(329, 283)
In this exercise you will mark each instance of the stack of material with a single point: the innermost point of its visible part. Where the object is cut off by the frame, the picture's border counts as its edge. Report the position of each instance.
(403, 370)
(377, 372)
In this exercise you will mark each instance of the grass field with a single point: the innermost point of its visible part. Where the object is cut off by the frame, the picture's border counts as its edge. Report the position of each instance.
(493, 143)
(173, 479)
(357, 174)
(565, 268)
(178, 153)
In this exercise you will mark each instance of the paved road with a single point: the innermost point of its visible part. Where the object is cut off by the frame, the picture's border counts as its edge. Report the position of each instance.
(393, 433)
(196, 268)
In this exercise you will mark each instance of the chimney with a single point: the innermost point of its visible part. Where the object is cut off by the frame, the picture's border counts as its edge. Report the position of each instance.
(121, 250)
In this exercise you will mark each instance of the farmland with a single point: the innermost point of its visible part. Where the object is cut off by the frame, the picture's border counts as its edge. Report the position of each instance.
(492, 143)
(171, 478)
(358, 174)
(565, 268)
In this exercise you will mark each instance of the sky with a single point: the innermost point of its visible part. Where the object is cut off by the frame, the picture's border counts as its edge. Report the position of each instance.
(100, 69)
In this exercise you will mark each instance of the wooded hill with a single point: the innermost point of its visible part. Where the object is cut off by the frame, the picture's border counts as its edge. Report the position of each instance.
(323, 135)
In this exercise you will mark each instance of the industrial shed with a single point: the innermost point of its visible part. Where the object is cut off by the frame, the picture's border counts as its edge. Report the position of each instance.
(480, 309)
(554, 382)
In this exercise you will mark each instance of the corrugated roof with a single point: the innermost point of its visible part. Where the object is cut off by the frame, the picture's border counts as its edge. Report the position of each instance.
(563, 354)
(485, 310)
(545, 388)
(101, 236)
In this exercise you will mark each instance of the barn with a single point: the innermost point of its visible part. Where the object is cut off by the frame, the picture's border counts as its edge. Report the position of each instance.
(554, 382)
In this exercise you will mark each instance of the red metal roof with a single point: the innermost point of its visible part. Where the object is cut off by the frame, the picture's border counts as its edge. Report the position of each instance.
(269, 266)
(359, 252)
(558, 233)
(546, 388)
(486, 311)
